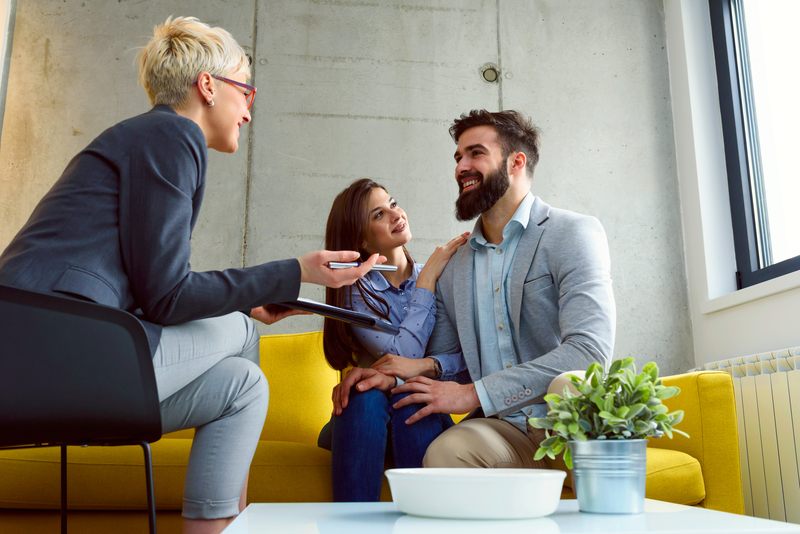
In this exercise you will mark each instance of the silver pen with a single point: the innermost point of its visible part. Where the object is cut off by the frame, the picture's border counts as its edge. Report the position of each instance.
(340, 265)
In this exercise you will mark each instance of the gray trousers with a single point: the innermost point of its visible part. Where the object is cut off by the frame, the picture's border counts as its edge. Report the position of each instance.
(208, 378)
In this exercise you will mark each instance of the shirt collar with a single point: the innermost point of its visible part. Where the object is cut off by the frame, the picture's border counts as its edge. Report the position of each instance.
(379, 283)
(519, 221)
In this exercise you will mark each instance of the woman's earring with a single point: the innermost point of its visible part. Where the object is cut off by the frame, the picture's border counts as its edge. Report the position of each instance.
(210, 103)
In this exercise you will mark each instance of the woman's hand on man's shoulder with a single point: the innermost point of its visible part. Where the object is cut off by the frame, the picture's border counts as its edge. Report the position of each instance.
(435, 265)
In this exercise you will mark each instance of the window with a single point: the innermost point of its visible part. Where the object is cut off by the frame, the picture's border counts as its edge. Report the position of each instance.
(8, 10)
(755, 51)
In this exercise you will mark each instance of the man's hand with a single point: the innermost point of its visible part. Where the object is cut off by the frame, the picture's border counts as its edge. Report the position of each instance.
(440, 397)
(272, 313)
(405, 368)
(363, 380)
(314, 267)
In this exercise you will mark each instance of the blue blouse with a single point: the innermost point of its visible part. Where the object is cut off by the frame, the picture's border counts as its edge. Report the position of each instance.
(413, 310)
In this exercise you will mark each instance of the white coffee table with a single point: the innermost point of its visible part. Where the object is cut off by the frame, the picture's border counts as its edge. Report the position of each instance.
(384, 518)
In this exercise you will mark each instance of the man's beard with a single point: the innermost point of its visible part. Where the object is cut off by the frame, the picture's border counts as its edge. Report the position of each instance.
(490, 189)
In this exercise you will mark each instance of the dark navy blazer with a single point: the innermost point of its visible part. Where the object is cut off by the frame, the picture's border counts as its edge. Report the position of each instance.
(115, 229)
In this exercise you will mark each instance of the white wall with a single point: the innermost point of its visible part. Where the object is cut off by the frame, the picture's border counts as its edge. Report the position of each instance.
(726, 323)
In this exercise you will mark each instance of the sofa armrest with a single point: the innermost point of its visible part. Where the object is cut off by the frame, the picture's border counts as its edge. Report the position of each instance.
(707, 399)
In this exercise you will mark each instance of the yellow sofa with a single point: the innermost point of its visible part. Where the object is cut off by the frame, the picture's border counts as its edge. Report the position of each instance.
(106, 491)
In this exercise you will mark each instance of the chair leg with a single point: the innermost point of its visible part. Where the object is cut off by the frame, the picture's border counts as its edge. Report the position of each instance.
(151, 499)
(63, 489)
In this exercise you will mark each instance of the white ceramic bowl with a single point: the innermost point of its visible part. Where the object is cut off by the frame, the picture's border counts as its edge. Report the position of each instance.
(476, 493)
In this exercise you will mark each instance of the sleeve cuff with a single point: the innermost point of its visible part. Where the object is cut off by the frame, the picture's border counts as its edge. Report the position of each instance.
(423, 297)
(400, 381)
(483, 397)
(451, 363)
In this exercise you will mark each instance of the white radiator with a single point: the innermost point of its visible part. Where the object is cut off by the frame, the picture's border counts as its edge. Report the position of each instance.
(767, 389)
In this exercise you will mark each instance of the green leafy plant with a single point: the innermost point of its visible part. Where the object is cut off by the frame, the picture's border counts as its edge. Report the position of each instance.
(616, 405)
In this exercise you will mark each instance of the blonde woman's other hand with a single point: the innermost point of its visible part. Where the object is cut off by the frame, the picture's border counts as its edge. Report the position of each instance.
(272, 313)
(435, 265)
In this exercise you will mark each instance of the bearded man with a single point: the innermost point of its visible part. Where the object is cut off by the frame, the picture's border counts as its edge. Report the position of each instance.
(527, 301)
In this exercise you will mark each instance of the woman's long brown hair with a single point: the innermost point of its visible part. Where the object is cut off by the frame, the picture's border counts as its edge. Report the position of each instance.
(347, 230)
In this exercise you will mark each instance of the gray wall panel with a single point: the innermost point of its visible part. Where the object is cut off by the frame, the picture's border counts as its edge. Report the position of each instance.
(72, 76)
(594, 76)
(361, 90)
(352, 89)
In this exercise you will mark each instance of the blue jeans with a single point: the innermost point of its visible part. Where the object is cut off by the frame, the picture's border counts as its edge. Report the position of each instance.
(359, 443)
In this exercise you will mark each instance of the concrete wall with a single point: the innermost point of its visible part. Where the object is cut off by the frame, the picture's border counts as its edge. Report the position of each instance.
(351, 89)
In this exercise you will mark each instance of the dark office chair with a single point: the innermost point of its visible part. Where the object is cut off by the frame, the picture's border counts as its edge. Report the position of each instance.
(75, 373)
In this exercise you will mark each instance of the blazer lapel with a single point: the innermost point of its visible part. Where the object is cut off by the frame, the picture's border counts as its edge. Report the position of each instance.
(465, 309)
(523, 258)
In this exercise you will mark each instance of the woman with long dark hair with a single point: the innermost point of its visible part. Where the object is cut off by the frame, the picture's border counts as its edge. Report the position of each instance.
(364, 217)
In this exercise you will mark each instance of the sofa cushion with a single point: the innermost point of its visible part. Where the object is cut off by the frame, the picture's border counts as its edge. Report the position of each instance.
(674, 476)
(112, 478)
(300, 385)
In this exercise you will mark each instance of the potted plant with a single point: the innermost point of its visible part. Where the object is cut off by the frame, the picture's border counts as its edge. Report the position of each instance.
(603, 430)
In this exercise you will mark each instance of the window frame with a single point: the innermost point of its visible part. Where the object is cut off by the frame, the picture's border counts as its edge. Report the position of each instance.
(740, 168)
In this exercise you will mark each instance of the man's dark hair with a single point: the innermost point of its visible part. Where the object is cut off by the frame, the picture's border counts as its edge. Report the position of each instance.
(515, 132)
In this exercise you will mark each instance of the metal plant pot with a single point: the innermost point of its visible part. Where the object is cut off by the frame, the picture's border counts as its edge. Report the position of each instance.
(610, 475)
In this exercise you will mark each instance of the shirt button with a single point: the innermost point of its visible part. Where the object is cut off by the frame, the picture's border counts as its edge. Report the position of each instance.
(402, 293)
(500, 327)
(529, 411)
(499, 250)
(508, 365)
(405, 307)
(496, 288)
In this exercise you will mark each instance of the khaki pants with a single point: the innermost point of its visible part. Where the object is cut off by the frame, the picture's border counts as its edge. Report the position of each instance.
(491, 443)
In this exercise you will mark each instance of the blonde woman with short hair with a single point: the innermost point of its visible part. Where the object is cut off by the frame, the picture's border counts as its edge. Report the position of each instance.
(115, 229)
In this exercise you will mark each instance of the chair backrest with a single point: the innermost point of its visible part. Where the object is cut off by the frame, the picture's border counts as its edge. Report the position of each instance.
(73, 372)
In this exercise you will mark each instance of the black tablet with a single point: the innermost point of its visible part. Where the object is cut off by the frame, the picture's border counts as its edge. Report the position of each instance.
(340, 314)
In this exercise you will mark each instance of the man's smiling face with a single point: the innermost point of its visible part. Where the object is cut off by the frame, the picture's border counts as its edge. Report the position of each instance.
(481, 172)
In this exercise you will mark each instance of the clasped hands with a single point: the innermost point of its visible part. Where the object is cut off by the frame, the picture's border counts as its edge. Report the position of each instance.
(439, 397)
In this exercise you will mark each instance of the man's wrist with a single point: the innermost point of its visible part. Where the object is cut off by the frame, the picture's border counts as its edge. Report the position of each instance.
(472, 395)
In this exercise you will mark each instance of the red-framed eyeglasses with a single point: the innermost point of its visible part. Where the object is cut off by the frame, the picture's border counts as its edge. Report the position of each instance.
(250, 95)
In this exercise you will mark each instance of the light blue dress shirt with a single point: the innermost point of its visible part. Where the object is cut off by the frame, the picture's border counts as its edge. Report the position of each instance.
(497, 341)
(413, 310)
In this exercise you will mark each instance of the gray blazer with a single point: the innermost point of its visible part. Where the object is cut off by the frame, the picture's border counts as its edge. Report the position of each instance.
(562, 306)
(116, 227)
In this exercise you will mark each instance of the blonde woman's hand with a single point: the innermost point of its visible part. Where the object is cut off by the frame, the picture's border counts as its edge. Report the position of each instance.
(314, 267)
(438, 261)
(272, 313)
(405, 368)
